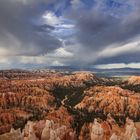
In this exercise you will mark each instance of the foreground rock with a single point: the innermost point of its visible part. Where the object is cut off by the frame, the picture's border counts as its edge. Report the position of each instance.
(12, 135)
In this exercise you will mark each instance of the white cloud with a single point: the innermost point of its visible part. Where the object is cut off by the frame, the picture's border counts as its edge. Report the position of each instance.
(115, 49)
(4, 61)
(44, 60)
(118, 65)
(66, 26)
(60, 52)
(63, 27)
(4, 51)
(54, 58)
(57, 63)
(50, 18)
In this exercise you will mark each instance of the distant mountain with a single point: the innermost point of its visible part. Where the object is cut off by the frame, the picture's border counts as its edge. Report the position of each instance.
(100, 72)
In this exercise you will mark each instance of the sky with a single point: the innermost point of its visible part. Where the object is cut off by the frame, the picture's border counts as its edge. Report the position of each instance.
(80, 33)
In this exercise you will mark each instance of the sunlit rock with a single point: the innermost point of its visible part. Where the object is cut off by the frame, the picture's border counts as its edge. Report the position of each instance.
(97, 131)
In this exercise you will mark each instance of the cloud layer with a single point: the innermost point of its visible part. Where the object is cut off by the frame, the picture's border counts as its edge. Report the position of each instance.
(69, 32)
(19, 35)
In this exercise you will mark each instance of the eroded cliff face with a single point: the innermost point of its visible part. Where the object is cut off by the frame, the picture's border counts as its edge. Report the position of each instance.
(132, 83)
(109, 130)
(32, 96)
(135, 80)
(40, 105)
(98, 129)
(113, 99)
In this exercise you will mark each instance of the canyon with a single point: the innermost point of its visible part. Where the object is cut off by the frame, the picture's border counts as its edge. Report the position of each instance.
(55, 105)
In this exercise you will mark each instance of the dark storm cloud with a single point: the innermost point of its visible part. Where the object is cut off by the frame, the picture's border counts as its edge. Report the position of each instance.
(125, 58)
(99, 35)
(18, 32)
(106, 25)
(106, 31)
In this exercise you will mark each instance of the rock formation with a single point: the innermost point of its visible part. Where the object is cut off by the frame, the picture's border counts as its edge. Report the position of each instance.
(114, 137)
(113, 99)
(97, 131)
(53, 105)
(12, 135)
